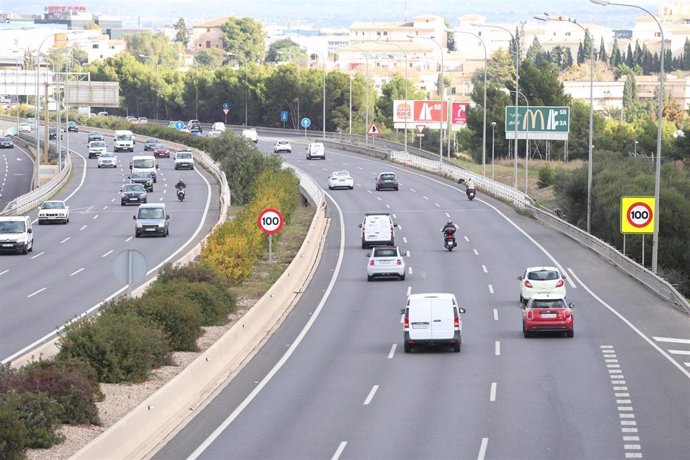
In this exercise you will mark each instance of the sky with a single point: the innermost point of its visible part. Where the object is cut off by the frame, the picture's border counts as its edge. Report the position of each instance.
(342, 13)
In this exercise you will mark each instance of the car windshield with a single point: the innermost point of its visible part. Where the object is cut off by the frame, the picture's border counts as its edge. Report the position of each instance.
(543, 275)
(151, 213)
(151, 141)
(548, 303)
(6, 139)
(141, 175)
(107, 155)
(185, 155)
(387, 176)
(143, 163)
(97, 144)
(133, 188)
(385, 252)
(53, 205)
(341, 173)
(161, 147)
(12, 227)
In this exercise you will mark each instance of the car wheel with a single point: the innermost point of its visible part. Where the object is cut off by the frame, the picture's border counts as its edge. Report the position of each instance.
(402, 277)
(370, 278)
(570, 333)
(137, 235)
(364, 246)
(522, 300)
(330, 188)
(456, 347)
(408, 348)
(99, 166)
(122, 203)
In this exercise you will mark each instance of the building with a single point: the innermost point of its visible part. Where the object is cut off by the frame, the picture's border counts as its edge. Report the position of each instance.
(208, 35)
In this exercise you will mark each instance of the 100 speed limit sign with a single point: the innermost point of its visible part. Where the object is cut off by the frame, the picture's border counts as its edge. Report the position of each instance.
(637, 214)
(270, 221)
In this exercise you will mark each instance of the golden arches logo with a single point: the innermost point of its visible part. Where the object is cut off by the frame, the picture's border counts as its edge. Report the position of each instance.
(532, 115)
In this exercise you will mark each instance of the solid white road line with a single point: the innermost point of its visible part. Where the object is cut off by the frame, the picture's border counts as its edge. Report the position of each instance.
(339, 450)
(495, 314)
(671, 340)
(78, 271)
(392, 352)
(36, 292)
(371, 394)
(492, 394)
(680, 352)
(482, 449)
(497, 348)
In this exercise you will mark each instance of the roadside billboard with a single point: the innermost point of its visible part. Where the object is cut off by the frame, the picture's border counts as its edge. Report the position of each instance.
(429, 114)
(543, 123)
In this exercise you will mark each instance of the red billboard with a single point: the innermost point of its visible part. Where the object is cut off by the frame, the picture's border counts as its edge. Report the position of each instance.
(429, 113)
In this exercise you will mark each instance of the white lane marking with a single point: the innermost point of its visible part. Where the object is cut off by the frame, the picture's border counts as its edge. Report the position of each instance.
(437, 205)
(378, 198)
(497, 348)
(105, 207)
(38, 255)
(622, 415)
(466, 239)
(95, 217)
(628, 430)
(4, 271)
(404, 240)
(399, 226)
(371, 394)
(413, 190)
(394, 216)
(632, 447)
(368, 191)
(491, 289)
(632, 326)
(78, 271)
(613, 366)
(482, 449)
(339, 450)
(83, 227)
(129, 239)
(572, 285)
(680, 352)
(281, 362)
(484, 269)
(623, 388)
(495, 314)
(625, 409)
(611, 360)
(623, 401)
(621, 395)
(687, 364)
(65, 240)
(392, 352)
(671, 340)
(388, 206)
(448, 215)
(107, 253)
(409, 270)
(633, 455)
(425, 197)
(492, 393)
(36, 292)
(606, 346)
(402, 319)
(476, 253)
(409, 290)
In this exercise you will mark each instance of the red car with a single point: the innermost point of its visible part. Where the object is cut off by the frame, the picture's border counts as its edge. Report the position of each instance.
(161, 150)
(547, 313)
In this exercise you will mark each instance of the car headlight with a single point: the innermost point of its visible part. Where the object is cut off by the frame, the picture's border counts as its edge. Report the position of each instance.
(139, 225)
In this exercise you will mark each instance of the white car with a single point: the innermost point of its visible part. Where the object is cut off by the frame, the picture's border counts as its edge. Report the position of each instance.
(340, 179)
(282, 146)
(24, 128)
(184, 160)
(107, 160)
(53, 211)
(218, 126)
(541, 280)
(250, 134)
(385, 261)
(96, 148)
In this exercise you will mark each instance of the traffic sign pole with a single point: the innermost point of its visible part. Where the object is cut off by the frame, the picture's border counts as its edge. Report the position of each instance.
(270, 221)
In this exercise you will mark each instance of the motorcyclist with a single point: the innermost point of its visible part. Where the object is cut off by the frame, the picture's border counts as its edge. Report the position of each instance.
(469, 183)
(449, 228)
(180, 185)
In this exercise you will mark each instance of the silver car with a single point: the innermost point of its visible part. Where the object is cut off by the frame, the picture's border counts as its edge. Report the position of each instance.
(385, 261)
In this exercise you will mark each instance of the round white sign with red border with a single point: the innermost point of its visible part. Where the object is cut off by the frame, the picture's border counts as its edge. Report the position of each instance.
(270, 221)
(637, 214)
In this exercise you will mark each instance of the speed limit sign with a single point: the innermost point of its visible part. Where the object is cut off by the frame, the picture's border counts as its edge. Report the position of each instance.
(270, 221)
(637, 214)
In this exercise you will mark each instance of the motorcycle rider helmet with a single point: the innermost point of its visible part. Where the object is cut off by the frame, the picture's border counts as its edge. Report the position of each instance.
(450, 222)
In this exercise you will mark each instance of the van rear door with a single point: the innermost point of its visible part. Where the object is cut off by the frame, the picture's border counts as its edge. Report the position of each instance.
(419, 314)
(442, 319)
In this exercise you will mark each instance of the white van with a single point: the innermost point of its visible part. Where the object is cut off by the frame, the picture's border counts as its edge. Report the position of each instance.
(123, 140)
(432, 319)
(16, 234)
(218, 126)
(377, 230)
(144, 163)
(316, 150)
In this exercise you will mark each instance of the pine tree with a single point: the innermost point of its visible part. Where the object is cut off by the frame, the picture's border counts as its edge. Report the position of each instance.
(638, 55)
(602, 51)
(580, 54)
(534, 50)
(629, 59)
(615, 58)
(567, 58)
(629, 91)
(686, 55)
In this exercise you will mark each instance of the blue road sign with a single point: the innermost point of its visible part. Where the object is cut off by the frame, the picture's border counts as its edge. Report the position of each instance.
(306, 122)
(179, 125)
(284, 115)
(226, 106)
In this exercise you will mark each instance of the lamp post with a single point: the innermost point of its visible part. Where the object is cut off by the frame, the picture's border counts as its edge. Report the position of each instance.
(366, 96)
(517, 83)
(406, 85)
(442, 91)
(484, 107)
(660, 113)
(246, 94)
(323, 65)
(546, 17)
(493, 126)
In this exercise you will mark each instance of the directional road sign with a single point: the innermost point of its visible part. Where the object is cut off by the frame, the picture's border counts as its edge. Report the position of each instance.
(284, 115)
(544, 123)
(373, 129)
(305, 122)
(637, 214)
(179, 125)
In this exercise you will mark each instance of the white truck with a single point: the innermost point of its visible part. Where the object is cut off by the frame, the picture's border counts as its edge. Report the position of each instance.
(123, 140)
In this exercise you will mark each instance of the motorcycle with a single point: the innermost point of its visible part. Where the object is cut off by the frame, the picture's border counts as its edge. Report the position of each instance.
(449, 241)
(180, 194)
(470, 193)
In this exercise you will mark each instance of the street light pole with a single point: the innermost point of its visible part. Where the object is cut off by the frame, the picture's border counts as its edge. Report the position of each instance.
(406, 85)
(484, 107)
(660, 113)
(590, 160)
(517, 83)
(493, 126)
(442, 91)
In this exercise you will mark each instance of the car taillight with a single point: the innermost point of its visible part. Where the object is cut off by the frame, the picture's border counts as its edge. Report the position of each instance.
(407, 322)
(456, 321)
(530, 315)
(528, 284)
(560, 284)
(567, 314)
(399, 262)
(371, 262)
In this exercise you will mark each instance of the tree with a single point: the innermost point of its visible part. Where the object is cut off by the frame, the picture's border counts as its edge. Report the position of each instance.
(211, 58)
(284, 50)
(629, 91)
(450, 43)
(616, 57)
(602, 51)
(686, 55)
(534, 50)
(500, 69)
(244, 37)
(181, 32)
(567, 58)
(155, 49)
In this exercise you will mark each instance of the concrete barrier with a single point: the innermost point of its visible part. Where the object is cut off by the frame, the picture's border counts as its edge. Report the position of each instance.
(140, 431)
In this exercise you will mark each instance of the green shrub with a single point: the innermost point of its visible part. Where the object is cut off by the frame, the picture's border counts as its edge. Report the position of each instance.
(14, 436)
(70, 382)
(195, 272)
(40, 414)
(546, 177)
(119, 346)
(179, 317)
(214, 302)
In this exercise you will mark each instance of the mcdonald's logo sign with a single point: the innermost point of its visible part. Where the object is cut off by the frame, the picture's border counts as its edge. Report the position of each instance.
(532, 116)
(537, 123)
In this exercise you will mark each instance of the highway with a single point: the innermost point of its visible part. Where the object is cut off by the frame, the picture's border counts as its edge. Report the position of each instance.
(333, 382)
(16, 169)
(70, 270)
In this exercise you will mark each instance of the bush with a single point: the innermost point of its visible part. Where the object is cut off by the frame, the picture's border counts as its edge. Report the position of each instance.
(195, 272)
(70, 382)
(14, 436)
(546, 177)
(40, 414)
(213, 301)
(120, 347)
(179, 317)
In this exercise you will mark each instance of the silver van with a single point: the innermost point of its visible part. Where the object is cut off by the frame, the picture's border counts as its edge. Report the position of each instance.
(151, 219)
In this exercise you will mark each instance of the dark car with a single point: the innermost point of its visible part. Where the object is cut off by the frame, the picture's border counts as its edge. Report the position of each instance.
(143, 178)
(161, 150)
(386, 180)
(150, 144)
(132, 193)
(52, 133)
(95, 136)
(72, 126)
(6, 142)
(194, 125)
